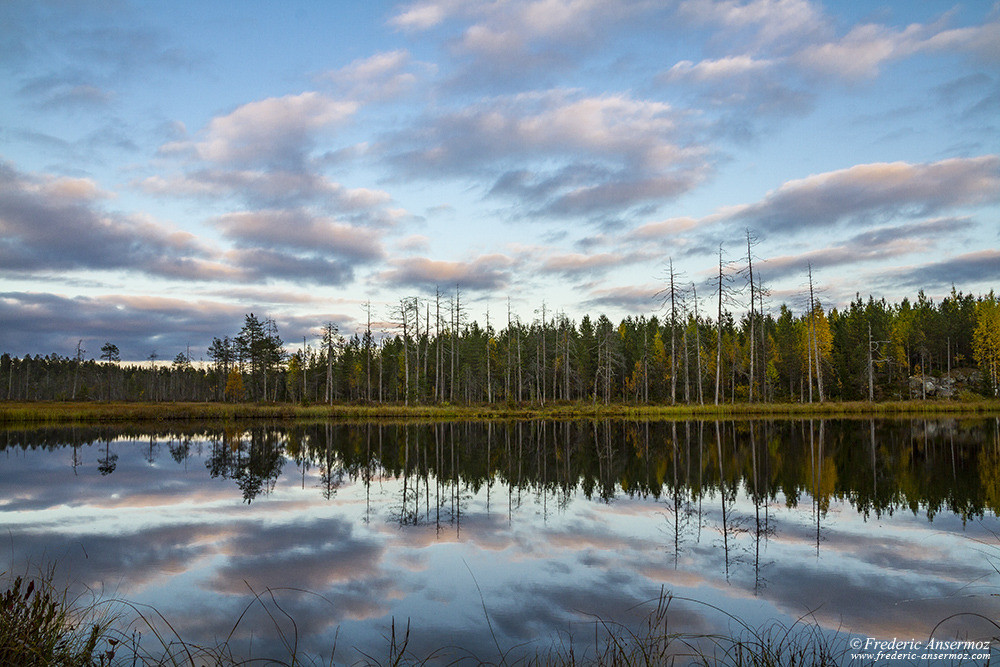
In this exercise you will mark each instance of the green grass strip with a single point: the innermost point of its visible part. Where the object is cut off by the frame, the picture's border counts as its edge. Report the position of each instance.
(43, 412)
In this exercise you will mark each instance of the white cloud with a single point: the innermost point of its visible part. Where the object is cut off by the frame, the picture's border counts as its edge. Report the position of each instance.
(424, 15)
(380, 77)
(771, 24)
(278, 131)
(711, 70)
(863, 51)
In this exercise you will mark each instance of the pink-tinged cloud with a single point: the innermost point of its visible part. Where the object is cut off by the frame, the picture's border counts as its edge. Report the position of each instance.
(670, 227)
(277, 131)
(483, 273)
(865, 191)
(300, 230)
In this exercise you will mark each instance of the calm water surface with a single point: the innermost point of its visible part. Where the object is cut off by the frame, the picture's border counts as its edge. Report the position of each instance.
(880, 528)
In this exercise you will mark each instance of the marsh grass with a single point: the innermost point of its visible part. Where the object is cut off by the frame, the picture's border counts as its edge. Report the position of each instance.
(41, 626)
(42, 412)
(802, 644)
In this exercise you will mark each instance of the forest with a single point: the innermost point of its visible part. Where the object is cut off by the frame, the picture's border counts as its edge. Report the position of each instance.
(434, 354)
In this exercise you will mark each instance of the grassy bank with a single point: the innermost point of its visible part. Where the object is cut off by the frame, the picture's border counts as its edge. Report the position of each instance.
(44, 412)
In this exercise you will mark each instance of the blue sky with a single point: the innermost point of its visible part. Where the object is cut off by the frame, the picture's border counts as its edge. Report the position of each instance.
(167, 167)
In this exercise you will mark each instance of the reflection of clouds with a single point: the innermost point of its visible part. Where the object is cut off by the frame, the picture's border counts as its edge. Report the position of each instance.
(97, 560)
(544, 561)
(311, 556)
(536, 610)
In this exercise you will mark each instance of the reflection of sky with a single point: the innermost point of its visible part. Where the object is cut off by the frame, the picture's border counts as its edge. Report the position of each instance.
(167, 534)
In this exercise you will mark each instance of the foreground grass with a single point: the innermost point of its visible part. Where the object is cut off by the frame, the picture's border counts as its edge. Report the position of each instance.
(40, 626)
(41, 412)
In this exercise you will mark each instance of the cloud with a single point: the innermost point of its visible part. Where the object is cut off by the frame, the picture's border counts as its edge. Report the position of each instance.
(81, 65)
(65, 91)
(579, 155)
(58, 223)
(54, 224)
(483, 273)
(259, 185)
(381, 77)
(870, 191)
(424, 15)
(629, 298)
(979, 267)
(862, 51)
(866, 48)
(576, 265)
(501, 46)
(876, 245)
(277, 132)
(522, 21)
(414, 243)
(299, 230)
(137, 325)
(661, 229)
(731, 67)
(284, 190)
(759, 24)
(739, 92)
(261, 264)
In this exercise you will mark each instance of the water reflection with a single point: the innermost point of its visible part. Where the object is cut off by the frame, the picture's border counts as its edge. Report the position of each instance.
(869, 525)
(878, 467)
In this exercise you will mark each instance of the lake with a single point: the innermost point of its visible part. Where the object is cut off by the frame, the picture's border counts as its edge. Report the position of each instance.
(514, 539)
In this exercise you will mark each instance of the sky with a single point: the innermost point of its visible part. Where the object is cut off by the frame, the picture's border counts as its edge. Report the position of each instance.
(167, 168)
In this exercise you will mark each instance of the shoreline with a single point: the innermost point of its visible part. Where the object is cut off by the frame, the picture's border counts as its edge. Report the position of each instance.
(53, 412)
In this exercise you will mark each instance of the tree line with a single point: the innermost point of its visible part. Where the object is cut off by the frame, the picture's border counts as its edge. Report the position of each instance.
(435, 354)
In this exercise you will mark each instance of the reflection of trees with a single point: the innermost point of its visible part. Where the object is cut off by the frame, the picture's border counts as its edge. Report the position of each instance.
(107, 465)
(762, 525)
(259, 464)
(180, 449)
(331, 469)
(152, 452)
(252, 459)
(878, 467)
